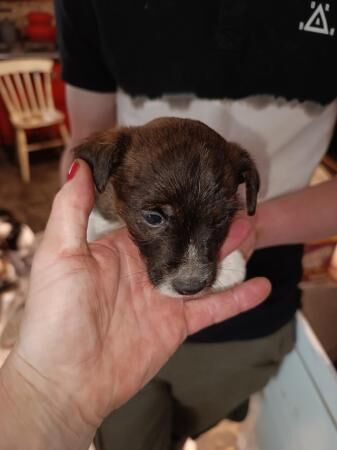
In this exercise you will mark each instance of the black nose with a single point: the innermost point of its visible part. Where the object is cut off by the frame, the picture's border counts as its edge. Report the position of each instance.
(188, 286)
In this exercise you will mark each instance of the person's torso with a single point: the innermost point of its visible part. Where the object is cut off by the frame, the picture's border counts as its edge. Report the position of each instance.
(221, 48)
(260, 73)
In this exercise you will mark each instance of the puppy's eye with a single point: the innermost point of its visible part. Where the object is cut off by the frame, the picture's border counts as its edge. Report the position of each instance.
(153, 218)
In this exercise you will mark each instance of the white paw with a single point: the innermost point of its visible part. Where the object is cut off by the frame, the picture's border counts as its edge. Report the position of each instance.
(232, 270)
(190, 445)
(98, 226)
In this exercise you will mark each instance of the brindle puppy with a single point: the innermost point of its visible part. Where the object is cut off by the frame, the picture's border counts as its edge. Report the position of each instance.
(174, 183)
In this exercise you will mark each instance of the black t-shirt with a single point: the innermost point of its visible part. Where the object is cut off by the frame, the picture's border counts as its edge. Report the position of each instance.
(217, 49)
(214, 49)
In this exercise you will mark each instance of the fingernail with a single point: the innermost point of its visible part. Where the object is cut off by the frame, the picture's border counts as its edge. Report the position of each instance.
(73, 169)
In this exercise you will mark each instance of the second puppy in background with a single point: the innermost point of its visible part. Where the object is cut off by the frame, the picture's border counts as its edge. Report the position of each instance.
(174, 184)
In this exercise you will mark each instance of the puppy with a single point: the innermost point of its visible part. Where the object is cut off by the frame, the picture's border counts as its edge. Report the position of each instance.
(14, 235)
(173, 183)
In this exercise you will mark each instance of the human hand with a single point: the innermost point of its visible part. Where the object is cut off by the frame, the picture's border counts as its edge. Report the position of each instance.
(95, 330)
(248, 229)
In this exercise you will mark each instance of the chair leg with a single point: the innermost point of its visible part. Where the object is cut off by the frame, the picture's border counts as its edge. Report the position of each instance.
(22, 150)
(64, 134)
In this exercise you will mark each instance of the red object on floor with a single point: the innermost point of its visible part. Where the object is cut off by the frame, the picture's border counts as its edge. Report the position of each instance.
(41, 33)
(39, 18)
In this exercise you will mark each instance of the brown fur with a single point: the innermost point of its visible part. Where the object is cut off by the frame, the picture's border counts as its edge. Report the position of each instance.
(181, 169)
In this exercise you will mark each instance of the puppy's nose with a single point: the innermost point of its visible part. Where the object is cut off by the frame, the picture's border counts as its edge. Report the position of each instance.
(188, 286)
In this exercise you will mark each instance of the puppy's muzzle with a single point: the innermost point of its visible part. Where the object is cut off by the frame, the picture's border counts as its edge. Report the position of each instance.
(189, 286)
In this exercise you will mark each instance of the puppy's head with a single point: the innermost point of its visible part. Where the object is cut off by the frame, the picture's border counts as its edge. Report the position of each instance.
(174, 183)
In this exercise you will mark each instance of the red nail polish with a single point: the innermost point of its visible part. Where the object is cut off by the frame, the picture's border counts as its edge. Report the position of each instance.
(73, 169)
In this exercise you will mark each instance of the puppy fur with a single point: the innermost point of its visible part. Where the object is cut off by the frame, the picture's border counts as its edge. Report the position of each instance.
(173, 183)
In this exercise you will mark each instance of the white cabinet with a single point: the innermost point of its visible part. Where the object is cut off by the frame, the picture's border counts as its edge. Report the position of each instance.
(299, 406)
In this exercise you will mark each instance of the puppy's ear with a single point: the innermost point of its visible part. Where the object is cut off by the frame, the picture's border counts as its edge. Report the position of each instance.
(248, 174)
(104, 152)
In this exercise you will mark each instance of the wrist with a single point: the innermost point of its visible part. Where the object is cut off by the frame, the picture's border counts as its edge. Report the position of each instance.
(35, 414)
(267, 220)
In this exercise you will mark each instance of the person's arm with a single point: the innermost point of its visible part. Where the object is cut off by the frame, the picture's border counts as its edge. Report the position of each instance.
(35, 417)
(89, 77)
(306, 215)
(89, 112)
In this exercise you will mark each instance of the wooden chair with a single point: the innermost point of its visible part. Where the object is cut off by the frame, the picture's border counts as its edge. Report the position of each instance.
(25, 87)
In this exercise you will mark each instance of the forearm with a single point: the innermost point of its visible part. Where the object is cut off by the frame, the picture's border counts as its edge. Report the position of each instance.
(89, 112)
(37, 419)
(307, 215)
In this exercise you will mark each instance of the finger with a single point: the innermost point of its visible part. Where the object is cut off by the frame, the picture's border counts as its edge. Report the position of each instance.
(238, 231)
(68, 221)
(247, 247)
(218, 307)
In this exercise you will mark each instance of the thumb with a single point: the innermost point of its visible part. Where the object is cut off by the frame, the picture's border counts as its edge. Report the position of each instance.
(67, 225)
(238, 232)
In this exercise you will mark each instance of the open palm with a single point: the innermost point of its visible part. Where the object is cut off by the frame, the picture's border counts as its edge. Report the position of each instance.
(93, 322)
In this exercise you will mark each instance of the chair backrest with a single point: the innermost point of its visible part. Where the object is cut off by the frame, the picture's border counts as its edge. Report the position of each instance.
(25, 86)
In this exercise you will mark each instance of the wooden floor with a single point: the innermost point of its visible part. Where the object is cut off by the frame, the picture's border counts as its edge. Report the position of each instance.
(29, 202)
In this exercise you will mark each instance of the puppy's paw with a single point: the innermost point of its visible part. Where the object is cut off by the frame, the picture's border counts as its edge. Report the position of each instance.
(98, 226)
(232, 270)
